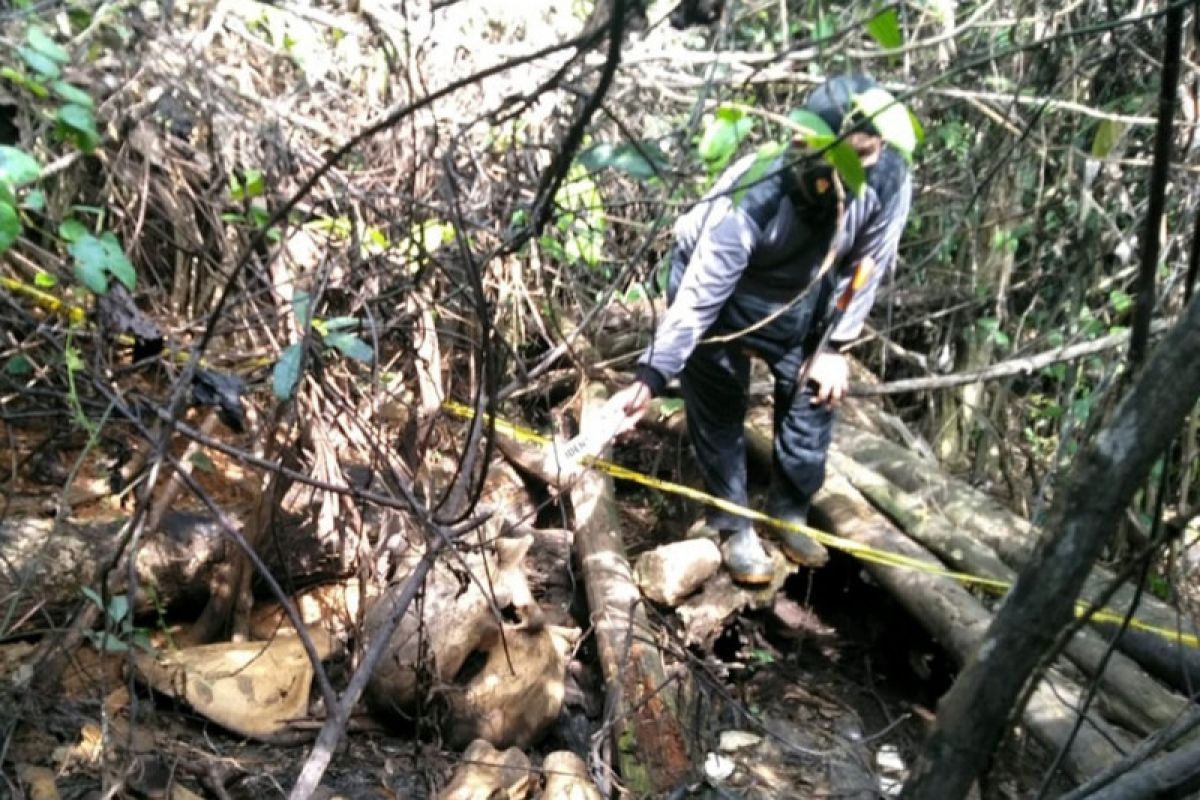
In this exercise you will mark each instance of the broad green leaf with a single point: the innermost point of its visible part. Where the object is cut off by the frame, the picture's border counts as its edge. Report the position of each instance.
(848, 165)
(118, 607)
(884, 28)
(118, 263)
(18, 167)
(202, 462)
(352, 346)
(636, 293)
(10, 226)
(722, 136)
(826, 27)
(92, 275)
(302, 305)
(812, 124)
(78, 123)
(72, 230)
(1108, 133)
(286, 372)
(918, 128)
(254, 183)
(35, 200)
(19, 366)
(97, 257)
(890, 118)
(24, 81)
(1120, 300)
(7, 195)
(42, 64)
(92, 595)
(72, 94)
(642, 161)
(44, 280)
(766, 156)
(341, 323)
(40, 41)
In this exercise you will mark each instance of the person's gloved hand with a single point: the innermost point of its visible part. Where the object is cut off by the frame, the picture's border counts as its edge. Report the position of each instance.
(634, 401)
(831, 373)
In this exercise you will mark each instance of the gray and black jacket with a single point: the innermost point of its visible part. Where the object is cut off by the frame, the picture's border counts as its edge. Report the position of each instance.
(762, 241)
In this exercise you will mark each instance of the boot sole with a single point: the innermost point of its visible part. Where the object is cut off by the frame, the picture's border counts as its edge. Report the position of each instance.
(796, 557)
(751, 580)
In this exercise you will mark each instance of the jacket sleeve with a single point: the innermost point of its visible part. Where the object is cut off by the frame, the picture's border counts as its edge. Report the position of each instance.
(879, 238)
(718, 260)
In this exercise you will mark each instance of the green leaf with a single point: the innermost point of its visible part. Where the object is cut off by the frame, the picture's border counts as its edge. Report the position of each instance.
(92, 275)
(18, 167)
(202, 462)
(1108, 133)
(302, 305)
(254, 183)
(44, 280)
(1120, 300)
(643, 160)
(40, 41)
(118, 607)
(19, 366)
(670, 406)
(848, 165)
(95, 258)
(119, 264)
(42, 64)
(72, 230)
(10, 226)
(22, 80)
(890, 118)
(78, 124)
(72, 359)
(812, 124)
(341, 323)
(91, 594)
(884, 28)
(72, 94)
(35, 200)
(766, 156)
(7, 195)
(722, 136)
(351, 346)
(286, 372)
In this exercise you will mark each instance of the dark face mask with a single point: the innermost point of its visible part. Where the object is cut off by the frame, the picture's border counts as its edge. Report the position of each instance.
(815, 192)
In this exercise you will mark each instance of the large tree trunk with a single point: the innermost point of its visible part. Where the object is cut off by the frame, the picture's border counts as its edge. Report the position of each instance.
(1130, 695)
(973, 714)
(981, 518)
(650, 748)
(958, 621)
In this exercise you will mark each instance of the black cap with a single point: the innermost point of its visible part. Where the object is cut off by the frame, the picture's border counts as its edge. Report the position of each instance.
(832, 100)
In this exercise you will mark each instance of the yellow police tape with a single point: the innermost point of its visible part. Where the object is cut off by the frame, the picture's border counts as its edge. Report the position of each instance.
(859, 551)
(77, 315)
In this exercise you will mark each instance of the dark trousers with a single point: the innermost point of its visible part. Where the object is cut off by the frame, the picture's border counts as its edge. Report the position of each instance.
(715, 382)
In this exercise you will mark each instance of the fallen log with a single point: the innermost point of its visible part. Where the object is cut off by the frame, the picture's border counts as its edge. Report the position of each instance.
(1013, 539)
(956, 619)
(648, 739)
(44, 564)
(1129, 695)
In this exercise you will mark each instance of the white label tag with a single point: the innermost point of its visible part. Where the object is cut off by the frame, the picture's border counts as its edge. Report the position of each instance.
(600, 430)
